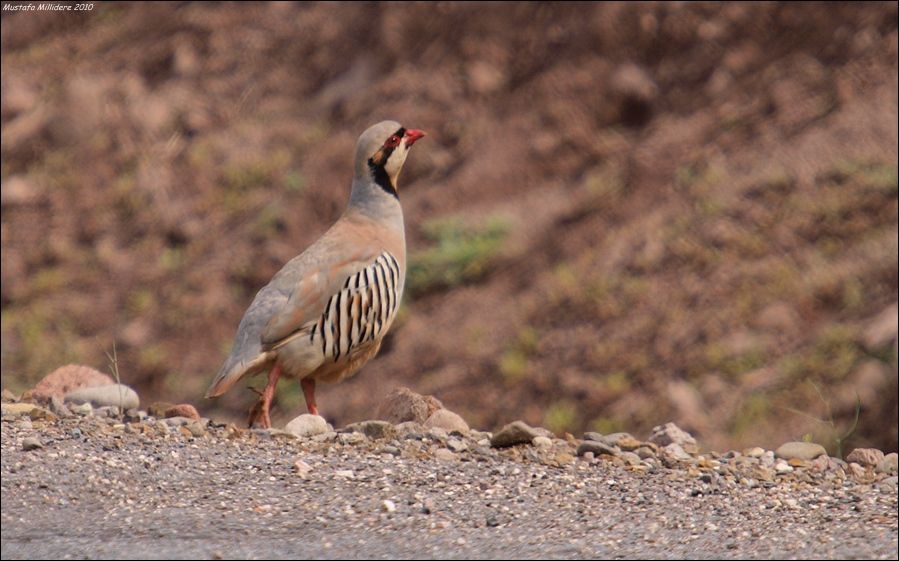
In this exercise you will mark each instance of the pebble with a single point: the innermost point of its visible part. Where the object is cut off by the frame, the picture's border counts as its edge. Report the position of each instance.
(351, 438)
(388, 506)
(8, 396)
(302, 468)
(781, 466)
(391, 450)
(108, 411)
(890, 483)
(411, 429)
(176, 421)
(373, 429)
(631, 459)
(267, 434)
(456, 445)
(856, 470)
(182, 410)
(328, 436)
(447, 420)
(675, 451)
(135, 415)
(670, 433)
(596, 448)
(307, 425)
(109, 394)
(82, 409)
(801, 450)
(345, 473)
(866, 456)
(542, 442)
(196, 428)
(645, 452)
(889, 465)
(438, 433)
(623, 440)
(17, 408)
(157, 409)
(30, 443)
(517, 432)
(754, 452)
(58, 407)
(445, 455)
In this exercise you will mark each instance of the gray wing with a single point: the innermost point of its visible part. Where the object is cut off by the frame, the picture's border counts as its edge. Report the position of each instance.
(296, 295)
(246, 356)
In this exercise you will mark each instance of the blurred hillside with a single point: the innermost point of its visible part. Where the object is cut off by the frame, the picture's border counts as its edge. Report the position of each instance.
(624, 214)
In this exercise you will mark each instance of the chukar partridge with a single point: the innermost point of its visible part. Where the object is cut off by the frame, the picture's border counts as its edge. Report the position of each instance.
(325, 313)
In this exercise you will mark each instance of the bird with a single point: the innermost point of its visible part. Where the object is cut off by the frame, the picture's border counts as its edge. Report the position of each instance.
(325, 313)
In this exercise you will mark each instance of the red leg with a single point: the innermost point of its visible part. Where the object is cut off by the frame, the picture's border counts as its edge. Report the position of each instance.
(309, 393)
(259, 412)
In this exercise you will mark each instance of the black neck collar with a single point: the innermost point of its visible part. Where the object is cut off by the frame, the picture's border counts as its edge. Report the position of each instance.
(380, 177)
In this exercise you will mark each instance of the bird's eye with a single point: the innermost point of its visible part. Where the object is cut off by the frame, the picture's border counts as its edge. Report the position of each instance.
(393, 141)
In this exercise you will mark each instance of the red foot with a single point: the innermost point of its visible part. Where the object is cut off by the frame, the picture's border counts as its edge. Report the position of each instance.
(309, 393)
(259, 411)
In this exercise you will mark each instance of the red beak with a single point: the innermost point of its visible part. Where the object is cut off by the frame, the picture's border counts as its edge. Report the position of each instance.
(412, 135)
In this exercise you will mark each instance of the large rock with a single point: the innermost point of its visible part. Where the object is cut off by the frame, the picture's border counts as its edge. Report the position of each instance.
(448, 421)
(672, 434)
(68, 378)
(800, 451)
(402, 404)
(118, 395)
(517, 432)
(308, 425)
(865, 456)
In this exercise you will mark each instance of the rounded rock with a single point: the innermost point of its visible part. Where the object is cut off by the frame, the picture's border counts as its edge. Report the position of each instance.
(31, 443)
(889, 465)
(182, 410)
(596, 448)
(517, 432)
(800, 450)
(68, 378)
(119, 395)
(447, 420)
(866, 456)
(670, 433)
(307, 425)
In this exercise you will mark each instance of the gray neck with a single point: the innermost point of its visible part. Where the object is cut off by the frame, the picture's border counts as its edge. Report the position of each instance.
(368, 198)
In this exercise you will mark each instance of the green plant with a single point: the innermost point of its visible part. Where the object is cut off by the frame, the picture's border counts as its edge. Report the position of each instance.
(514, 362)
(460, 254)
(561, 416)
(113, 363)
(839, 438)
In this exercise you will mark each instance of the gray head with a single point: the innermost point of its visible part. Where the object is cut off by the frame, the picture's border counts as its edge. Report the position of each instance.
(381, 152)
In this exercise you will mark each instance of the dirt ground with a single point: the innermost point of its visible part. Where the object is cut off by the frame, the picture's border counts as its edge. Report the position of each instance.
(98, 488)
(624, 213)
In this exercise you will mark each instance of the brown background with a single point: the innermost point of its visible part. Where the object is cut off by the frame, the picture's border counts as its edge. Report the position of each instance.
(624, 214)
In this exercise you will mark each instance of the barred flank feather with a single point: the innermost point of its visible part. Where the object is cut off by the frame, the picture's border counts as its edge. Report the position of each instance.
(362, 311)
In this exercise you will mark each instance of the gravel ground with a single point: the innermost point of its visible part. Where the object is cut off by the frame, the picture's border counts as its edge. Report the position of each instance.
(97, 487)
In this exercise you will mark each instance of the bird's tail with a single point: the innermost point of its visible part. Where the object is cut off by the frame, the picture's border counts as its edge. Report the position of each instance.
(231, 374)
